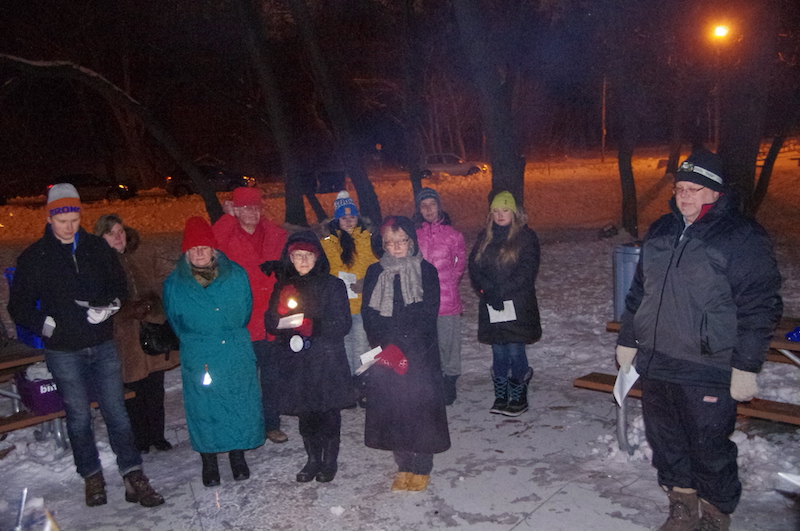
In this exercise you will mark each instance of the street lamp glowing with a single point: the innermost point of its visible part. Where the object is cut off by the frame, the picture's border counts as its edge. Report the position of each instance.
(720, 32)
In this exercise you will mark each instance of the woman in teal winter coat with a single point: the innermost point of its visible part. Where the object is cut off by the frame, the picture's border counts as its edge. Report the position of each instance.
(208, 302)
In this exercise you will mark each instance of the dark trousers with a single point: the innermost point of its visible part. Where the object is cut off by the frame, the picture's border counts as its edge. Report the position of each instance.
(320, 425)
(146, 409)
(688, 428)
(267, 361)
(420, 464)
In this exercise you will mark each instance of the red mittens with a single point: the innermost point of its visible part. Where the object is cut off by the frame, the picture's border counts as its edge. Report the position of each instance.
(288, 299)
(305, 328)
(391, 356)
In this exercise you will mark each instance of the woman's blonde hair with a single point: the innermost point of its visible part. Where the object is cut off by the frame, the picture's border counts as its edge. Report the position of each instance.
(509, 251)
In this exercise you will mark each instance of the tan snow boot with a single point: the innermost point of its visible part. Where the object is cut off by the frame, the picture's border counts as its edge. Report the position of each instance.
(713, 519)
(683, 510)
(95, 489)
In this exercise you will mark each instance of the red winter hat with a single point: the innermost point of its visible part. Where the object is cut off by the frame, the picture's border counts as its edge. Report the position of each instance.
(197, 232)
(246, 196)
(303, 246)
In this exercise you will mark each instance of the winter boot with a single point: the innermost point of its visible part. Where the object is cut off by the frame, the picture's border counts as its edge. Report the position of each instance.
(210, 470)
(518, 395)
(95, 489)
(713, 519)
(330, 455)
(449, 384)
(500, 394)
(314, 451)
(138, 490)
(238, 465)
(684, 514)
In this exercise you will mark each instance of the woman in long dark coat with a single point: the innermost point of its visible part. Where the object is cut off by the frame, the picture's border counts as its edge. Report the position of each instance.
(314, 376)
(405, 400)
(503, 267)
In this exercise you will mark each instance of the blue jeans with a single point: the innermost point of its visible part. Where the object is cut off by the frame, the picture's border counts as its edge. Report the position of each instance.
(94, 373)
(267, 361)
(355, 343)
(420, 464)
(510, 357)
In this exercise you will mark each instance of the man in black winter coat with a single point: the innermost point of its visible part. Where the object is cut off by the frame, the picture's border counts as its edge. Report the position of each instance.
(66, 287)
(699, 318)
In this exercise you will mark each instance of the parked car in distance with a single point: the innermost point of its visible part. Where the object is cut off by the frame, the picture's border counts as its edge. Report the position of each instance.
(179, 184)
(93, 187)
(450, 164)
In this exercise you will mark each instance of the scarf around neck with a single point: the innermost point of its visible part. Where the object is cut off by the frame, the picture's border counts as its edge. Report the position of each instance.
(410, 270)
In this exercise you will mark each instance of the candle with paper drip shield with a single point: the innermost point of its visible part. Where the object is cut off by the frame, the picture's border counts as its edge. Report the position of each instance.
(207, 377)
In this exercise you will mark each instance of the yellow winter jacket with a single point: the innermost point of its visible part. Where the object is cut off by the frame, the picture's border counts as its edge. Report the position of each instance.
(362, 260)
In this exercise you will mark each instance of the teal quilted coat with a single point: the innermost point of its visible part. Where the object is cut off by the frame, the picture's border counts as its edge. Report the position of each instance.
(211, 323)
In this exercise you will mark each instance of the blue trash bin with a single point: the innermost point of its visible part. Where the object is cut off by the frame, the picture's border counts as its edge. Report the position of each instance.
(626, 258)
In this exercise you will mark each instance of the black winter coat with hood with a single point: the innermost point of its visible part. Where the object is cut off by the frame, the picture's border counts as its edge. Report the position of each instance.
(704, 299)
(405, 412)
(515, 282)
(318, 378)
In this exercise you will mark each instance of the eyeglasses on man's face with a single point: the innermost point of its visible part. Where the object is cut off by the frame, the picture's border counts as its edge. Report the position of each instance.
(395, 243)
(687, 190)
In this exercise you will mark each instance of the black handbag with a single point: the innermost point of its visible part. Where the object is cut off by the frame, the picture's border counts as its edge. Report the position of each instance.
(157, 339)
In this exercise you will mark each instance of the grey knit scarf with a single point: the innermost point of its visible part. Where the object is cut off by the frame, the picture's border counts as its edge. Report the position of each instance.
(410, 271)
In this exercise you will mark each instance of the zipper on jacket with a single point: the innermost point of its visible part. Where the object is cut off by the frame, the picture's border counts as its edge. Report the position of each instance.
(661, 296)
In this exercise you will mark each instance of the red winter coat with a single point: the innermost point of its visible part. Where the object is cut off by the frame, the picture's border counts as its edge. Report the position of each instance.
(443, 246)
(250, 251)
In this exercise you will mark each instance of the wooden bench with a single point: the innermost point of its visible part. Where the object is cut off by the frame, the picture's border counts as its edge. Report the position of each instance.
(756, 408)
(780, 352)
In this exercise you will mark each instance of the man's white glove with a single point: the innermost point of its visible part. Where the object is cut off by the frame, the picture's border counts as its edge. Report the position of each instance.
(625, 357)
(743, 385)
(48, 327)
(98, 315)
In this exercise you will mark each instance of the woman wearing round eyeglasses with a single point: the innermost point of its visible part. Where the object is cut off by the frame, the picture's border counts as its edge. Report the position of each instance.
(309, 315)
(405, 400)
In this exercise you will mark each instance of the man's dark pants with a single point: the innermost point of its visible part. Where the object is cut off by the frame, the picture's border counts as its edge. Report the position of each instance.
(688, 428)
(267, 360)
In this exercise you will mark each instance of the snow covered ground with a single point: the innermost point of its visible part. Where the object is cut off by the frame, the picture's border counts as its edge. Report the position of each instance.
(555, 467)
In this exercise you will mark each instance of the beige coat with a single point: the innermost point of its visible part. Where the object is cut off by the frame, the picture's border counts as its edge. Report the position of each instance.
(145, 271)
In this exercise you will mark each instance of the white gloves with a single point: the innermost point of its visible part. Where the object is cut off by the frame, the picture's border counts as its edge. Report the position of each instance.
(625, 357)
(98, 315)
(48, 327)
(743, 385)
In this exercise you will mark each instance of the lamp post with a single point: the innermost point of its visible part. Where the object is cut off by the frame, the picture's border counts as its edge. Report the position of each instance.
(719, 35)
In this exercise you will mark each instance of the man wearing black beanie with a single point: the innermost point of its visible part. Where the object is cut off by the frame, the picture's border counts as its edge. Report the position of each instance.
(698, 321)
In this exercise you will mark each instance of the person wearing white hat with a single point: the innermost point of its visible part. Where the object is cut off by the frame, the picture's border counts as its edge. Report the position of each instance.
(73, 315)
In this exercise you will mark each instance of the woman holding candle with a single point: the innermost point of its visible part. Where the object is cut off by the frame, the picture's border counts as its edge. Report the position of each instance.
(207, 299)
(314, 376)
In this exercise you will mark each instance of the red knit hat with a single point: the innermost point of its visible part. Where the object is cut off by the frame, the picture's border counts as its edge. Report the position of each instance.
(246, 196)
(303, 246)
(197, 232)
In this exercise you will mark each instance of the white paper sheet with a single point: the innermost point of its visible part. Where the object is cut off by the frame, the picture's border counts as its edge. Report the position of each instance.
(368, 360)
(794, 478)
(85, 304)
(349, 279)
(290, 321)
(508, 313)
(624, 383)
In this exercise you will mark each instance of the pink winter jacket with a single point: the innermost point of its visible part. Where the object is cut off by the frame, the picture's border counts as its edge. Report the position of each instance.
(443, 246)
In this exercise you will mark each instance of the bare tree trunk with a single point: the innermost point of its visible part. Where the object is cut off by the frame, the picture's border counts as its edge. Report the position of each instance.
(368, 200)
(258, 48)
(414, 110)
(495, 80)
(115, 96)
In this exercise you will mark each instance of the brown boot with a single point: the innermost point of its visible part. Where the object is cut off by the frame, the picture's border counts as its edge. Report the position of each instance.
(95, 489)
(138, 490)
(713, 519)
(683, 510)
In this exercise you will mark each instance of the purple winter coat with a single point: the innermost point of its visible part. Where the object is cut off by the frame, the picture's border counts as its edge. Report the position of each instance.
(443, 246)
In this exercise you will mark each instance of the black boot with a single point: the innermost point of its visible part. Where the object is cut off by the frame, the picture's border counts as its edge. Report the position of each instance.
(314, 451)
(518, 395)
(449, 384)
(330, 455)
(238, 465)
(210, 470)
(500, 394)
